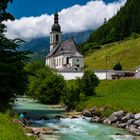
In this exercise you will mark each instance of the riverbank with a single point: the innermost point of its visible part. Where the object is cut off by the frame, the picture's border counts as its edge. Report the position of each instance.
(114, 95)
(128, 121)
(9, 130)
(52, 122)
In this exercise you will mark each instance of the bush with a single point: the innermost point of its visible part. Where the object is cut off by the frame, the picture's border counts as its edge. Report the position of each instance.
(88, 83)
(80, 89)
(71, 96)
(45, 85)
(135, 35)
(117, 66)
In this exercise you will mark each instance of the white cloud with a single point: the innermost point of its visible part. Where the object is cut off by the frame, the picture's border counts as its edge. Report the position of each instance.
(74, 19)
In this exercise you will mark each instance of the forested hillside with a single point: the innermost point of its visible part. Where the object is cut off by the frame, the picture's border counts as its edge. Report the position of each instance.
(125, 23)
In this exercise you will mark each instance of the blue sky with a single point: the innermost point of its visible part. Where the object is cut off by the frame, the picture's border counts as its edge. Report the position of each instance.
(34, 18)
(21, 8)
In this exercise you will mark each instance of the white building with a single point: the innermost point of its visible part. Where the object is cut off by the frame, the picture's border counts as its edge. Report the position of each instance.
(137, 75)
(63, 55)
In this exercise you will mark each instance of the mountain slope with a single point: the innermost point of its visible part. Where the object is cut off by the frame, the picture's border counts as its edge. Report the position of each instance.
(40, 46)
(126, 22)
(126, 52)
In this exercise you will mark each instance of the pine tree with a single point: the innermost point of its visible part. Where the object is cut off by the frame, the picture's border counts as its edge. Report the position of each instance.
(125, 23)
(13, 77)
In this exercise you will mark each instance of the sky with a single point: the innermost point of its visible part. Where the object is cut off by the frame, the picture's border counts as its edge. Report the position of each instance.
(20, 8)
(34, 18)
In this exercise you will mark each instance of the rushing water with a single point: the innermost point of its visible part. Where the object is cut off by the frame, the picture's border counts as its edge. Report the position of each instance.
(67, 129)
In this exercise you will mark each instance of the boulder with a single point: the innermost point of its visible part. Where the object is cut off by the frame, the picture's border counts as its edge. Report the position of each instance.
(122, 125)
(134, 130)
(94, 111)
(41, 131)
(116, 116)
(113, 119)
(96, 119)
(137, 116)
(137, 122)
(127, 117)
(107, 121)
(87, 113)
(130, 122)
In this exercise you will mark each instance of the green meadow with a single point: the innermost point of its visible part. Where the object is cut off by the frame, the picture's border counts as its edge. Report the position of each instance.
(113, 96)
(11, 131)
(127, 52)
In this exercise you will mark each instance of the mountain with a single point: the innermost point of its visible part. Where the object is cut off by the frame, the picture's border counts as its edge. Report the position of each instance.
(40, 46)
(125, 23)
(125, 52)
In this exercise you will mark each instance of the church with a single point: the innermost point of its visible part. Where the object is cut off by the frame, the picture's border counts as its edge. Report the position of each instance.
(63, 55)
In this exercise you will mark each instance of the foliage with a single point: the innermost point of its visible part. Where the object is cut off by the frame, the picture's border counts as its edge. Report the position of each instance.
(135, 35)
(127, 52)
(115, 95)
(125, 23)
(71, 96)
(88, 83)
(88, 47)
(117, 66)
(12, 74)
(10, 130)
(79, 89)
(45, 85)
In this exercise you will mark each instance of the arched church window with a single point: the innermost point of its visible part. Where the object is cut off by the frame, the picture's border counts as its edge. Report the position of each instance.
(62, 61)
(59, 62)
(57, 38)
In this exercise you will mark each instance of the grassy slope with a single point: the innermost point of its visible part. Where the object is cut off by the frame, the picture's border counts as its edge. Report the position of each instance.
(11, 131)
(115, 95)
(125, 52)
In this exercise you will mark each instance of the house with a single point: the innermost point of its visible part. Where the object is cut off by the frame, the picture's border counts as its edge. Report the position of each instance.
(63, 56)
(137, 75)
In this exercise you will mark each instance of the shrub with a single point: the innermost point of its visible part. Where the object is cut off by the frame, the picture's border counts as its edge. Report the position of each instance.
(88, 83)
(117, 66)
(45, 85)
(71, 96)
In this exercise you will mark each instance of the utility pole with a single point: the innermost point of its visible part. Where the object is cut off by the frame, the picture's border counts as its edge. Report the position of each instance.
(106, 65)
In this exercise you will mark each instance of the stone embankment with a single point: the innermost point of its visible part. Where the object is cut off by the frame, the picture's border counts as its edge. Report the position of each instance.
(121, 119)
(39, 131)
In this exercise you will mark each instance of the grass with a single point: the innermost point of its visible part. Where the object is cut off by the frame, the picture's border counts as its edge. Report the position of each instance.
(126, 52)
(10, 130)
(115, 95)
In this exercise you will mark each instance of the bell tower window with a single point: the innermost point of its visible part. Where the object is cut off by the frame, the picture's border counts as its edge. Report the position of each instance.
(57, 38)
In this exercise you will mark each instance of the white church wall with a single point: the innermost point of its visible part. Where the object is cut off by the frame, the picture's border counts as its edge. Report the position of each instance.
(71, 75)
(59, 61)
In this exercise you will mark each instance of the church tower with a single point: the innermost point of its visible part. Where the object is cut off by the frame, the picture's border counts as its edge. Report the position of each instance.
(55, 35)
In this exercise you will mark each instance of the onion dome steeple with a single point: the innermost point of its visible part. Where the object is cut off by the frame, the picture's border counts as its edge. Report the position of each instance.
(56, 26)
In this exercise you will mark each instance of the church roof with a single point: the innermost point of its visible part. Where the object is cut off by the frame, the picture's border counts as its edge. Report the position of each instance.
(66, 47)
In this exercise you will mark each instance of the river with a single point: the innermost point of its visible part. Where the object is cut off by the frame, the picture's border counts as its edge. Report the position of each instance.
(68, 129)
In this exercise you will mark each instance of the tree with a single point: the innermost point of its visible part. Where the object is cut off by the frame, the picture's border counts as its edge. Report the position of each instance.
(119, 27)
(78, 90)
(117, 66)
(88, 83)
(45, 85)
(71, 94)
(12, 73)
